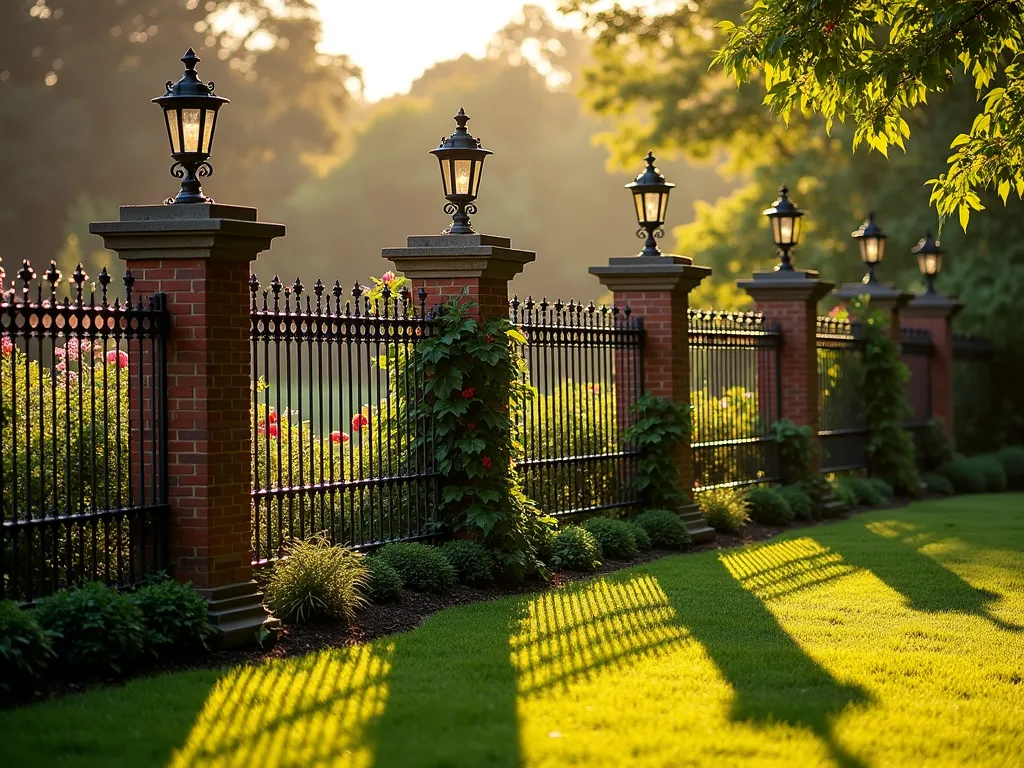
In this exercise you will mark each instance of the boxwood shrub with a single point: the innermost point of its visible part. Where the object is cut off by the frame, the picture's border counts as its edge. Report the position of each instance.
(615, 537)
(799, 501)
(665, 528)
(883, 490)
(768, 507)
(1012, 459)
(383, 584)
(643, 541)
(725, 509)
(95, 630)
(575, 548)
(174, 616)
(964, 475)
(472, 563)
(422, 568)
(862, 491)
(938, 484)
(25, 651)
(992, 470)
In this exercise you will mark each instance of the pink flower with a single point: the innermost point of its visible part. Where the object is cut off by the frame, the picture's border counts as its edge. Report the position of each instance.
(119, 357)
(60, 367)
(359, 421)
(339, 437)
(388, 278)
(59, 352)
(6, 345)
(468, 392)
(72, 376)
(486, 461)
(72, 349)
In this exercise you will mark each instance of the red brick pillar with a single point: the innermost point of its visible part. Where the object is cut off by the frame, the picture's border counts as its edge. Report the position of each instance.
(477, 267)
(657, 290)
(198, 256)
(790, 299)
(880, 296)
(934, 313)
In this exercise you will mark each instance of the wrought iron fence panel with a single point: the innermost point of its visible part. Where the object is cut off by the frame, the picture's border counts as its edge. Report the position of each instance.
(82, 433)
(334, 439)
(735, 393)
(585, 365)
(916, 348)
(974, 414)
(842, 430)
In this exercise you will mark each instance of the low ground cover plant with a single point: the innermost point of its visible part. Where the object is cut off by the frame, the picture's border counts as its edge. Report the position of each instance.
(615, 537)
(665, 528)
(768, 507)
(798, 500)
(725, 509)
(383, 584)
(574, 548)
(26, 651)
(316, 582)
(472, 563)
(422, 568)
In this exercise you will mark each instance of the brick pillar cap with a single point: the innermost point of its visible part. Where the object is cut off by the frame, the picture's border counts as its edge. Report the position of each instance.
(450, 256)
(798, 285)
(667, 273)
(933, 305)
(882, 295)
(193, 231)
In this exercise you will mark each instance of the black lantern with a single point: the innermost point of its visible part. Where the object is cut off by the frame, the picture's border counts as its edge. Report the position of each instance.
(929, 259)
(871, 239)
(785, 219)
(462, 163)
(190, 111)
(650, 197)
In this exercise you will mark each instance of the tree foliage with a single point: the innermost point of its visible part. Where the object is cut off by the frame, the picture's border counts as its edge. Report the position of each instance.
(871, 63)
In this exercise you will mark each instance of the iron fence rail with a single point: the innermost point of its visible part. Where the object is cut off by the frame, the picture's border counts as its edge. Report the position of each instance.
(82, 434)
(842, 431)
(974, 414)
(585, 364)
(334, 441)
(736, 396)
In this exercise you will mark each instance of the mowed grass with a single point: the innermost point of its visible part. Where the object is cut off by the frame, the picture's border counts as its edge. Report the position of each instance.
(893, 638)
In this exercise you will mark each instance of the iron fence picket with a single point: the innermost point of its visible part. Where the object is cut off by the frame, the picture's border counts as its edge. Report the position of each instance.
(842, 431)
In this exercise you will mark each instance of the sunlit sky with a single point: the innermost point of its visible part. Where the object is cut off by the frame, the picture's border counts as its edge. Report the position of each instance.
(395, 41)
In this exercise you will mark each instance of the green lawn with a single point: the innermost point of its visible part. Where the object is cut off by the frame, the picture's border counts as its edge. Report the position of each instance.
(893, 638)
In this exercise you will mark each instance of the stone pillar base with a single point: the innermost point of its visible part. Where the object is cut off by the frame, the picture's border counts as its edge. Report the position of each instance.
(238, 615)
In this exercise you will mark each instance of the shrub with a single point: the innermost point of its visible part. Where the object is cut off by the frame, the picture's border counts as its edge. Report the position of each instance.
(767, 507)
(576, 549)
(938, 484)
(990, 468)
(383, 584)
(316, 581)
(882, 489)
(422, 568)
(94, 629)
(799, 501)
(664, 528)
(863, 493)
(725, 509)
(1012, 459)
(934, 447)
(472, 563)
(796, 451)
(174, 616)
(643, 541)
(963, 475)
(25, 649)
(843, 492)
(615, 537)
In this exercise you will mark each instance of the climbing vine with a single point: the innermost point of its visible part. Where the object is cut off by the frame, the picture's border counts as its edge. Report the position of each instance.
(660, 427)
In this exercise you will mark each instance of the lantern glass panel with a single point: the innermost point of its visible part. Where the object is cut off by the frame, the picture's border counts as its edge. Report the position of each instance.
(478, 171)
(208, 126)
(652, 207)
(191, 123)
(872, 249)
(664, 206)
(929, 263)
(638, 201)
(463, 174)
(172, 129)
(446, 176)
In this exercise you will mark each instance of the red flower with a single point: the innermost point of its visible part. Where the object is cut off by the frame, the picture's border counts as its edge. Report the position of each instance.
(7, 345)
(471, 425)
(359, 421)
(272, 417)
(486, 461)
(468, 392)
(827, 29)
(339, 437)
(273, 430)
(489, 338)
(119, 357)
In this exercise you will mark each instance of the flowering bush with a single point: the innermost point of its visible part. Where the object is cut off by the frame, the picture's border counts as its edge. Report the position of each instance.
(730, 414)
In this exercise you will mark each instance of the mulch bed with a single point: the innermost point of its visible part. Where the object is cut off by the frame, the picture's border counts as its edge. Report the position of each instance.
(412, 609)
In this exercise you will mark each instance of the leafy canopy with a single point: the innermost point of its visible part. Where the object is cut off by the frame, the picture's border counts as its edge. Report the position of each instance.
(871, 62)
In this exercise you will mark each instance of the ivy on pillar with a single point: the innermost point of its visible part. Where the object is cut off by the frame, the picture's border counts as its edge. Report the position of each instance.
(198, 256)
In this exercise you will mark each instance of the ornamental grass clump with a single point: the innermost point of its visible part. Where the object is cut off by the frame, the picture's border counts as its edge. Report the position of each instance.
(615, 537)
(1012, 459)
(725, 509)
(422, 568)
(575, 549)
(383, 584)
(95, 630)
(799, 501)
(767, 507)
(665, 528)
(938, 484)
(964, 476)
(472, 563)
(317, 582)
(174, 616)
(26, 651)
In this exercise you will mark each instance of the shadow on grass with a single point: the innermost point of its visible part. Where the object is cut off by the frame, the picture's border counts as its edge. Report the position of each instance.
(773, 678)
